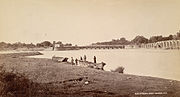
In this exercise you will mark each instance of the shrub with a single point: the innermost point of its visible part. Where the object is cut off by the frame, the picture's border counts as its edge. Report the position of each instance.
(14, 84)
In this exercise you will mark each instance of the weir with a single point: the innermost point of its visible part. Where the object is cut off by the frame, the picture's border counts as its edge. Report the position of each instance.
(57, 46)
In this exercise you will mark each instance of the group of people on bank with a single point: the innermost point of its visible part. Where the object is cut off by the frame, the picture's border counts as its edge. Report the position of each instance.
(81, 62)
(81, 59)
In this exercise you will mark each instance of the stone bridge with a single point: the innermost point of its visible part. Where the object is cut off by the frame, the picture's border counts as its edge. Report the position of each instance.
(169, 44)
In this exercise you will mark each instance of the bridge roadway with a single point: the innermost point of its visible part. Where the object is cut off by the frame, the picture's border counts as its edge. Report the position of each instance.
(91, 47)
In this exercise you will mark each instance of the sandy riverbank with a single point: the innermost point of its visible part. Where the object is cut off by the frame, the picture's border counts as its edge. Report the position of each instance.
(48, 78)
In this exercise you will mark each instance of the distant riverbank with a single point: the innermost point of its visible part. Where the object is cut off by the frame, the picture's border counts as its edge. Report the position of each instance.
(27, 49)
(57, 79)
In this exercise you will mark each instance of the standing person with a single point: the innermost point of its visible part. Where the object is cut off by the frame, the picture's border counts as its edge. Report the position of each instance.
(94, 59)
(84, 57)
(72, 61)
(76, 61)
(81, 58)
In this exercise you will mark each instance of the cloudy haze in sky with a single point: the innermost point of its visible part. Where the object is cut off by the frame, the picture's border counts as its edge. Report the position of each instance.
(83, 22)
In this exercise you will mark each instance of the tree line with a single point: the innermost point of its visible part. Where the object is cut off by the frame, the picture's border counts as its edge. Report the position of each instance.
(44, 44)
(122, 41)
(139, 40)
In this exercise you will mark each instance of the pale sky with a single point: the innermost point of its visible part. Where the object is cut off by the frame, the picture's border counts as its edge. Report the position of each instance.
(83, 22)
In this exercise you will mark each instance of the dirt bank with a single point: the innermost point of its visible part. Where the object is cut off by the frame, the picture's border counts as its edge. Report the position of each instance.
(51, 79)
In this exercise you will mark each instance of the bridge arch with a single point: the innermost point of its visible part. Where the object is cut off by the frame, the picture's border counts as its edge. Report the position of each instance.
(164, 44)
(167, 44)
(178, 44)
(174, 44)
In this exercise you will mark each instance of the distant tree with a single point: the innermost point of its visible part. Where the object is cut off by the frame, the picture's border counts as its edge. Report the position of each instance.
(178, 35)
(155, 39)
(3, 45)
(44, 44)
(123, 41)
(68, 44)
(30, 45)
(9, 45)
(113, 40)
(59, 42)
(139, 40)
(17, 45)
(170, 37)
(39, 45)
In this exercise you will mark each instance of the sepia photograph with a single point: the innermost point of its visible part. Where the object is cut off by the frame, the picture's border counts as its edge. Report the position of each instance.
(89, 48)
